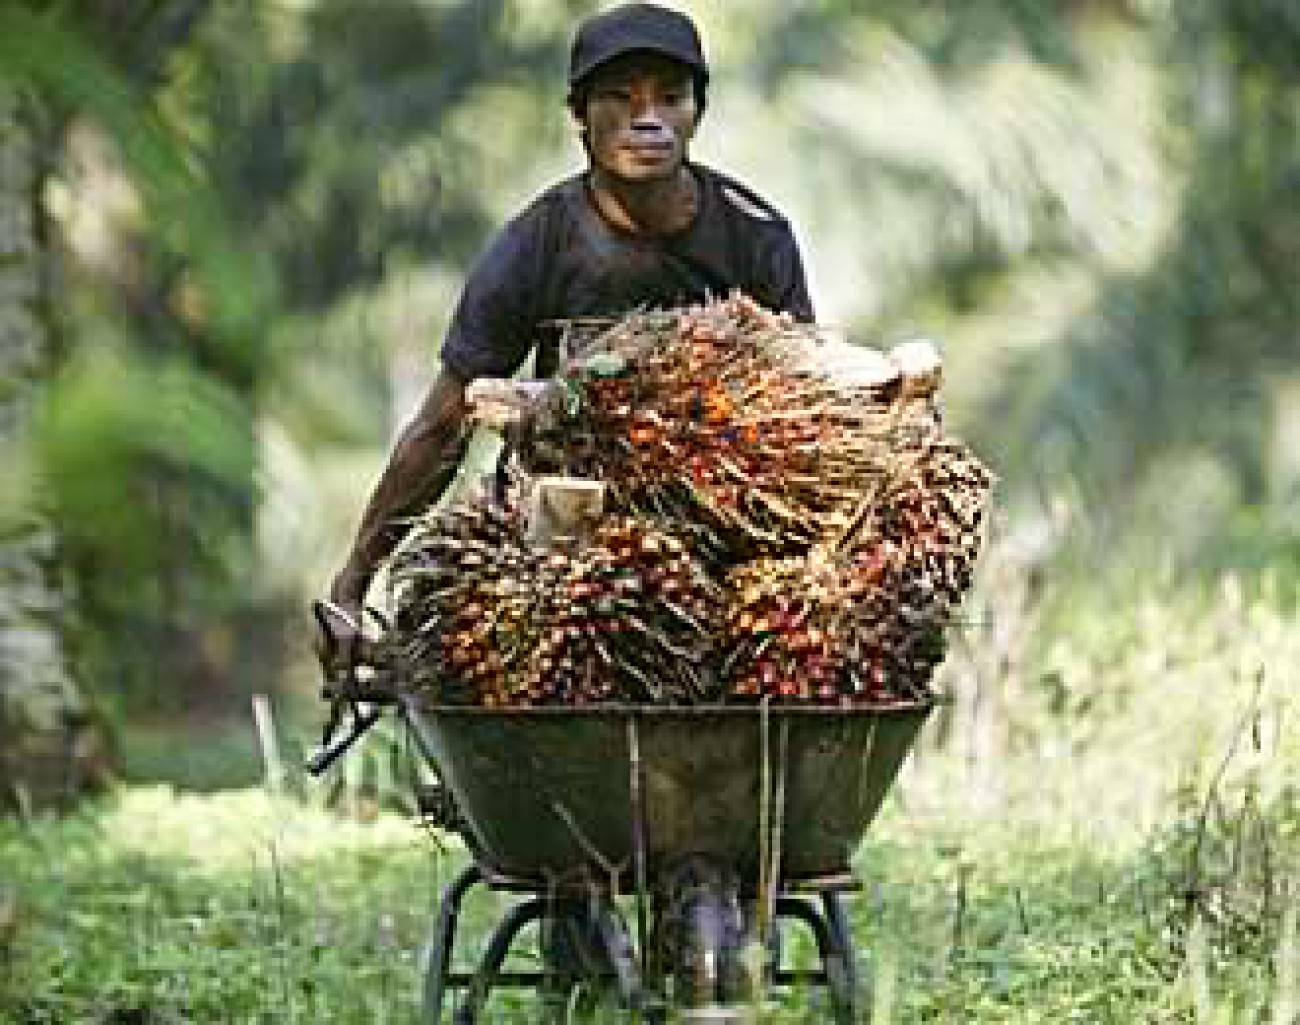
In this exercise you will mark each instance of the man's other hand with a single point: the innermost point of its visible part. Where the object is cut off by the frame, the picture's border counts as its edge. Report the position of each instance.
(340, 644)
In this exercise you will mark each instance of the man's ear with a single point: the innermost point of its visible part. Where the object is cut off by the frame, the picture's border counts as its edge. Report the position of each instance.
(579, 126)
(576, 104)
(693, 130)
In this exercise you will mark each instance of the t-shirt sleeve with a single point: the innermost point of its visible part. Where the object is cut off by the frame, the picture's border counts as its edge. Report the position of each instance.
(495, 321)
(782, 271)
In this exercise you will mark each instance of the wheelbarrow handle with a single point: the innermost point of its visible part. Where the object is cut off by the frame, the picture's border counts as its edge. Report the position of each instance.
(335, 748)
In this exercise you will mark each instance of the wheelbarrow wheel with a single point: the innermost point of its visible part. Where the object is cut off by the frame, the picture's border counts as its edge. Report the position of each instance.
(702, 936)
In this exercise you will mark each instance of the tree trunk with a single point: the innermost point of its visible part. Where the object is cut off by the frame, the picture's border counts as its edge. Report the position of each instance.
(51, 746)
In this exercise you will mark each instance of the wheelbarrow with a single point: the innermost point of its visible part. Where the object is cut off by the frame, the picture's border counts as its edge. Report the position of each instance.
(714, 824)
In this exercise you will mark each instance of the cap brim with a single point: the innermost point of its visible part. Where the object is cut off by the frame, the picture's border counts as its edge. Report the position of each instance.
(694, 67)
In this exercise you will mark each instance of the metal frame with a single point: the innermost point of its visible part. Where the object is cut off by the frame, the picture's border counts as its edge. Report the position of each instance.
(796, 901)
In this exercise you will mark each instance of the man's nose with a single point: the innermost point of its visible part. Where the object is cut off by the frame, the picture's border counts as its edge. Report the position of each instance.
(647, 115)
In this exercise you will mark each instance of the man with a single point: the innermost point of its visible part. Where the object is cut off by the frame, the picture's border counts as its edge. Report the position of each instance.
(642, 226)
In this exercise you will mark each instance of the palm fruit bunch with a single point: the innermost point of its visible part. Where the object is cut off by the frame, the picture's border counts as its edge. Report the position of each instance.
(486, 617)
(862, 619)
(725, 422)
(782, 634)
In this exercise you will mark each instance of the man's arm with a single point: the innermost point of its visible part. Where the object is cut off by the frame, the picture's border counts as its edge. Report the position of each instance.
(490, 333)
(422, 464)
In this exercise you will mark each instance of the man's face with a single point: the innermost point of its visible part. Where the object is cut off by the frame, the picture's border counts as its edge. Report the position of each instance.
(640, 115)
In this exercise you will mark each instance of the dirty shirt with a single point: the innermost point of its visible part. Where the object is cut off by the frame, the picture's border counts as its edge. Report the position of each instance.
(561, 260)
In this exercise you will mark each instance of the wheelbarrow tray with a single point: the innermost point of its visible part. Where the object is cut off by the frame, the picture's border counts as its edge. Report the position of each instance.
(551, 793)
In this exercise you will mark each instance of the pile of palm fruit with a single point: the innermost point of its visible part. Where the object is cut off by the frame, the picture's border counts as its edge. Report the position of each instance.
(784, 519)
(488, 618)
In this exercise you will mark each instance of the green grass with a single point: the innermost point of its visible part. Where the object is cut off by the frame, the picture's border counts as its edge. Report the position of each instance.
(232, 907)
(1125, 851)
(242, 908)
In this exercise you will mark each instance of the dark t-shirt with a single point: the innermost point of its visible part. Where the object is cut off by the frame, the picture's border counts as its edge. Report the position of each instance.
(560, 259)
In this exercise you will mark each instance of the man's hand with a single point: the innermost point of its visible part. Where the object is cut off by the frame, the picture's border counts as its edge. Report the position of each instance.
(341, 646)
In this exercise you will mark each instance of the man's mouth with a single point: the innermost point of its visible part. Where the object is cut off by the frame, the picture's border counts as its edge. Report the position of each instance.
(649, 150)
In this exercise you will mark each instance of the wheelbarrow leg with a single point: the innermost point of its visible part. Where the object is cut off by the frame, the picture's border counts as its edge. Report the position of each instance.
(622, 958)
(438, 954)
(833, 956)
(842, 937)
(585, 942)
(494, 956)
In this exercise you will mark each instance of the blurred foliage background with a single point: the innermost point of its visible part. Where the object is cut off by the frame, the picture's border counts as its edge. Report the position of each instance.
(232, 234)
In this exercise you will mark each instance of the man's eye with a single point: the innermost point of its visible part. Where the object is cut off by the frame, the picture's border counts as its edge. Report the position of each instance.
(620, 95)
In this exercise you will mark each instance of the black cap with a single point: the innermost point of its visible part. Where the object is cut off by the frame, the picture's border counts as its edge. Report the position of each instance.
(629, 27)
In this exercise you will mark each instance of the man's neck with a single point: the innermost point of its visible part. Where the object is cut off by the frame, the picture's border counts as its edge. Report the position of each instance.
(647, 208)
